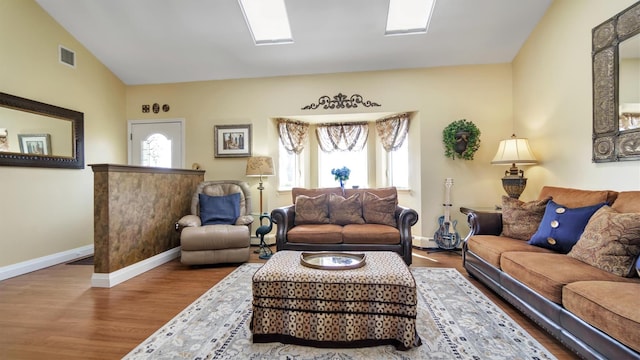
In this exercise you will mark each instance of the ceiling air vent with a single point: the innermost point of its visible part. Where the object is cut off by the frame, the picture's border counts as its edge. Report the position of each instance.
(67, 57)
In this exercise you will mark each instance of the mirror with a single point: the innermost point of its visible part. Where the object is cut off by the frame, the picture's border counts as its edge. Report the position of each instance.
(616, 87)
(629, 92)
(36, 134)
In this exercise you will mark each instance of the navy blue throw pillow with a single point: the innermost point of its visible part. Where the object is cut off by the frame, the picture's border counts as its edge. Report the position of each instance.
(215, 210)
(561, 227)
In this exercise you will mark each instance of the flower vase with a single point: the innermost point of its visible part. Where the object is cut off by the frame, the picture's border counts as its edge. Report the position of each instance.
(342, 185)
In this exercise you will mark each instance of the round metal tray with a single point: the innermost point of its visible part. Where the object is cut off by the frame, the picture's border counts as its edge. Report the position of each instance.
(332, 260)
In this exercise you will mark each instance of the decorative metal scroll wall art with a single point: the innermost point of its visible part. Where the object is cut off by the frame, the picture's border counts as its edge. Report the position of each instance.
(609, 142)
(340, 101)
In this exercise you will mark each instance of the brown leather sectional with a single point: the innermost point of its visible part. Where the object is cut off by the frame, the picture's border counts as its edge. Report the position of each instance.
(593, 312)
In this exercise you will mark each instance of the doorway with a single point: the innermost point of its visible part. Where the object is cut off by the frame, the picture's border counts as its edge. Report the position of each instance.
(157, 143)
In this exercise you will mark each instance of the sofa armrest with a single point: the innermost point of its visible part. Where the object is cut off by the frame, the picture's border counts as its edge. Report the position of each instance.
(484, 223)
(405, 219)
(244, 220)
(283, 217)
(187, 221)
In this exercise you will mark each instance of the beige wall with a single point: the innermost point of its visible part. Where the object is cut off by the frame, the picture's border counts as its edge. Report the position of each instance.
(552, 99)
(481, 94)
(544, 95)
(46, 211)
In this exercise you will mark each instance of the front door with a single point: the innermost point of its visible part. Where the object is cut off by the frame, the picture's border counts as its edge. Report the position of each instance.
(157, 143)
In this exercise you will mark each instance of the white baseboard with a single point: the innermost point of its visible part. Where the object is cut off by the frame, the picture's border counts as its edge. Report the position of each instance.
(422, 242)
(107, 280)
(28, 266)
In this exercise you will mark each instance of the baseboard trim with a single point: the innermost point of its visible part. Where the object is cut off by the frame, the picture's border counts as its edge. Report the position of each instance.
(108, 280)
(40, 263)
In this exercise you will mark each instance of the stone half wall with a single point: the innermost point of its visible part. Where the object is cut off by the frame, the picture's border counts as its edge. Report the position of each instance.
(135, 209)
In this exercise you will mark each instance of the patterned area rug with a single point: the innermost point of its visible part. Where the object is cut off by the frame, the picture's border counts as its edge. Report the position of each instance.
(455, 321)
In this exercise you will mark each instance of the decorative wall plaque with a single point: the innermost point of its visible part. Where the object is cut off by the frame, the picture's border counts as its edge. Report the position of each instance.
(340, 101)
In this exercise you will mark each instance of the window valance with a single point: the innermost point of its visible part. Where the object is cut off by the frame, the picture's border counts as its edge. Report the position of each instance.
(293, 134)
(342, 136)
(393, 131)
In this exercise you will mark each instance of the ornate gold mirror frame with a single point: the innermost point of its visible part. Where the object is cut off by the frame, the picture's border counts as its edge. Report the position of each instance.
(609, 142)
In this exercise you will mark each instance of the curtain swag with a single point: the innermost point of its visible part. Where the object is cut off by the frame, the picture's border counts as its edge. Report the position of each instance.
(393, 131)
(342, 136)
(293, 135)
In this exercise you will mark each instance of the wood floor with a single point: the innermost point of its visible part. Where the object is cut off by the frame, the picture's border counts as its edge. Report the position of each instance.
(55, 313)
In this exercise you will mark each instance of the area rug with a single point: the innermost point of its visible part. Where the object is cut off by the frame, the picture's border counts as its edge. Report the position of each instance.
(455, 321)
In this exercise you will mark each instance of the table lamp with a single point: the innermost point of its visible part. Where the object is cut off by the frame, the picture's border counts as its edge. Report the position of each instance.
(260, 166)
(514, 152)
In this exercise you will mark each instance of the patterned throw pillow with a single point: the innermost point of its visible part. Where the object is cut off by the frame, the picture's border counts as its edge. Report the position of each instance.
(520, 220)
(377, 210)
(312, 210)
(561, 227)
(611, 242)
(345, 211)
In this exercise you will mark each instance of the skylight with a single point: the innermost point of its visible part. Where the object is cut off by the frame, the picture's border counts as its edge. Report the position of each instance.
(409, 16)
(267, 21)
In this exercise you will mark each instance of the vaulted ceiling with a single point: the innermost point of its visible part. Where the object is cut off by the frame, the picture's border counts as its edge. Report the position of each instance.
(166, 41)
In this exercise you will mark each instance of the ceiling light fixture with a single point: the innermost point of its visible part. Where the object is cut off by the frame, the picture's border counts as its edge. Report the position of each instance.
(267, 20)
(409, 16)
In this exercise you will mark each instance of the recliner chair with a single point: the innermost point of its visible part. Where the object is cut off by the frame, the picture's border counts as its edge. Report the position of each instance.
(224, 241)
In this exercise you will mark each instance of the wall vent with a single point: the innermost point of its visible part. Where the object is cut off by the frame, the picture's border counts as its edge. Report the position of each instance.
(67, 56)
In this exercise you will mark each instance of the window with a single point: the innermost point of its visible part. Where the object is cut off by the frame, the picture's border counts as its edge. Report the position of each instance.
(356, 161)
(289, 172)
(156, 151)
(391, 167)
(398, 166)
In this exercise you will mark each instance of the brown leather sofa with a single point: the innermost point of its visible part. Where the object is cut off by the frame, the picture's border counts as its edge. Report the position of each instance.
(325, 219)
(592, 311)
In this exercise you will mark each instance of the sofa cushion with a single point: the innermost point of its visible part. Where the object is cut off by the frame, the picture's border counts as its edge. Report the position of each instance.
(219, 210)
(548, 273)
(370, 234)
(490, 247)
(312, 210)
(617, 315)
(313, 192)
(218, 188)
(380, 192)
(627, 201)
(610, 241)
(520, 220)
(315, 234)
(576, 197)
(379, 210)
(562, 226)
(345, 211)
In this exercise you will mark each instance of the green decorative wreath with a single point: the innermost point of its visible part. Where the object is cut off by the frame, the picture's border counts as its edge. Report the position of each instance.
(461, 139)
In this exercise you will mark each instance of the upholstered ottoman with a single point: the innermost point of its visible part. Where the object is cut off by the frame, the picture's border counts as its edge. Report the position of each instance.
(369, 306)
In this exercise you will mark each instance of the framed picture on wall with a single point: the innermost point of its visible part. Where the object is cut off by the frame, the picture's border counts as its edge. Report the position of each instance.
(37, 144)
(232, 141)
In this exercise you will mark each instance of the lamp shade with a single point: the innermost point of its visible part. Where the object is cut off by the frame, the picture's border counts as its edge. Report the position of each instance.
(260, 166)
(514, 151)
